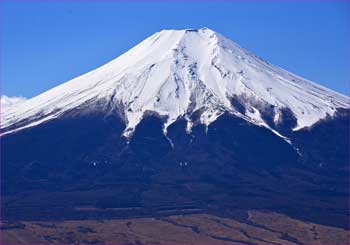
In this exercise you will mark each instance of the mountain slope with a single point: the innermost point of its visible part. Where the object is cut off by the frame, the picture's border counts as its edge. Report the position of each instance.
(175, 73)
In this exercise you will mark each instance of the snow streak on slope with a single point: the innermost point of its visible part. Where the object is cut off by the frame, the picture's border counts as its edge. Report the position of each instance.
(177, 72)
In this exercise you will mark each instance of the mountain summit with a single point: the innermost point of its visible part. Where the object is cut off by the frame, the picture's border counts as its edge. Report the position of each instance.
(181, 73)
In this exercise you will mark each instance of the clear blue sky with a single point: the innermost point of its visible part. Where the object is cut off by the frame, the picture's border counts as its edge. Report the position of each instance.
(46, 43)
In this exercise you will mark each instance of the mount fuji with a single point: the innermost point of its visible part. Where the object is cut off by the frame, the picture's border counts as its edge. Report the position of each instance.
(185, 120)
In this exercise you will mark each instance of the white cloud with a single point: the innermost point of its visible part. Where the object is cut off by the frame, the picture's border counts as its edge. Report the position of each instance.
(7, 102)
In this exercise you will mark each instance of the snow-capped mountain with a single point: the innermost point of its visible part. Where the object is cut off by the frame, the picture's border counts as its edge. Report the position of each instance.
(210, 128)
(176, 73)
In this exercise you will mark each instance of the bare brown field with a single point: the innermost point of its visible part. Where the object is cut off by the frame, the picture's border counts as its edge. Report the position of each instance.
(259, 228)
